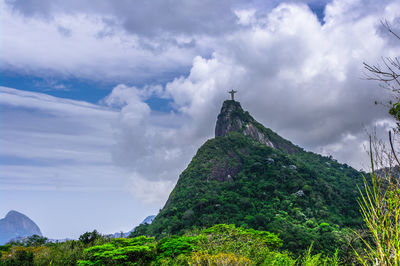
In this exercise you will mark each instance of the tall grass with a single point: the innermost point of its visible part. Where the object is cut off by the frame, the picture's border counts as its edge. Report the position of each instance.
(311, 260)
(380, 209)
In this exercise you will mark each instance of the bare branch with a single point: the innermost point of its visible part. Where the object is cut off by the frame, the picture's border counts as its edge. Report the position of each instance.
(389, 28)
(389, 72)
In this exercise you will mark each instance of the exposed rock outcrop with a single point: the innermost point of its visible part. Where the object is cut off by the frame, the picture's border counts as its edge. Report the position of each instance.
(233, 119)
(17, 225)
(226, 169)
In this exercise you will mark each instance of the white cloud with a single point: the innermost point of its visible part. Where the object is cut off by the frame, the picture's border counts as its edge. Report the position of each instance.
(299, 77)
(85, 46)
(133, 41)
(53, 105)
(246, 16)
(296, 76)
(156, 145)
(49, 143)
(150, 191)
(53, 143)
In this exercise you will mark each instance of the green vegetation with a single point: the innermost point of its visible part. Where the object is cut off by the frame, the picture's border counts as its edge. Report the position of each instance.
(380, 209)
(120, 251)
(241, 202)
(303, 197)
(218, 245)
(37, 250)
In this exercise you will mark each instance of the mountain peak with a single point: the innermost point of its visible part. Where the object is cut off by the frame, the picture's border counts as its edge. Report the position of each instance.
(15, 225)
(13, 213)
(238, 178)
(233, 118)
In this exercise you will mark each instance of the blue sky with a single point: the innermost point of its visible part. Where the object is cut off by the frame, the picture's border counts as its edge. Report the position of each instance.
(102, 107)
(74, 88)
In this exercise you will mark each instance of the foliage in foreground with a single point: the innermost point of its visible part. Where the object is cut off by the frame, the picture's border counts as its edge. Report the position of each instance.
(380, 208)
(218, 245)
(380, 204)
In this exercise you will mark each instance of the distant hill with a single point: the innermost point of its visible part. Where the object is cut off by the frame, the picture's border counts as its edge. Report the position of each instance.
(250, 176)
(148, 220)
(17, 225)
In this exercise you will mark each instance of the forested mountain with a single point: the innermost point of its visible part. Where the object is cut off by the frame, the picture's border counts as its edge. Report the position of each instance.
(251, 177)
(248, 197)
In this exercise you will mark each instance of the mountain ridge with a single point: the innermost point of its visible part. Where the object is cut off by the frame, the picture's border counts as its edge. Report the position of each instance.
(250, 176)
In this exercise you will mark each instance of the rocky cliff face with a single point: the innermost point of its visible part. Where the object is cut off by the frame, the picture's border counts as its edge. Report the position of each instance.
(17, 225)
(233, 118)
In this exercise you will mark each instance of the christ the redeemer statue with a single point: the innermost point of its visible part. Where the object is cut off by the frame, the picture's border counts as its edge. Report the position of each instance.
(232, 92)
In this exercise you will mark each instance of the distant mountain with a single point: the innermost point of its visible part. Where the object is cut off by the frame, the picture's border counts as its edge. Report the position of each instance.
(148, 220)
(17, 225)
(250, 176)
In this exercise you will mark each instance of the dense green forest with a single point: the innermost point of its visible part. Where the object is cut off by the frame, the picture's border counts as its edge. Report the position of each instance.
(218, 245)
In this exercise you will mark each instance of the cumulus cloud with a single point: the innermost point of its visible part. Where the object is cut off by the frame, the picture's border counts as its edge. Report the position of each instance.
(297, 76)
(146, 18)
(150, 191)
(119, 41)
(84, 45)
(156, 145)
(297, 68)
